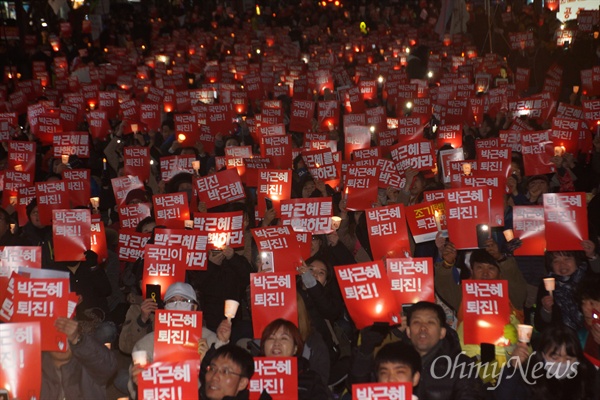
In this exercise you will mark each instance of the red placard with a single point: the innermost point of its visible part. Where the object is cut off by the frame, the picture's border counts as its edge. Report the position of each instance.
(131, 244)
(24, 197)
(449, 134)
(98, 124)
(220, 188)
(173, 165)
(278, 149)
(163, 266)
(21, 372)
(537, 149)
(21, 155)
(51, 196)
(150, 114)
(367, 293)
(176, 335)
(178, 380)
(565, 216)
(301, 115)
(361, 187)
(223, 229)
(131, 215)
(277, 376)
(396, 391)
(355, 137)
(194, 241)
(528, 225)
(13, 257)
(253, 165)
(71, 143)
(280, 248)
(465, 208)
(308, 215)
(136, 161)
(274, 184)
(78, 186)
(418, 155)
(388, 234)
(13, 181)
(42, 300)
(320, 164)
(485, 309)
(98, 238)
(495, 183)
(388, 175)
(328, 115)
(123, 185)
(273, 295)
(71, 232)
(411, 279)
(426, 219)
(171, 209)
(565, 133)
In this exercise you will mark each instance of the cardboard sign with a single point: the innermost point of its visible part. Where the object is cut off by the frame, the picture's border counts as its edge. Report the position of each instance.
(277, 376)
(485, 309)
(361, 187)
(71, 232)
(223, 229)
(51, 196)
(136, 162)
(528, 225)
(308, 215)
(272, 296)
(275, 185)
(388, 234)
(377, 391)
(281, 249)
(220, 188)
(171, 209)
(131, 215)
(131, 244)
(465, 208)
(426, 219)
(367, 293)
(21, 371)
(123, 185)
(411, 279)
(163, 266)
(566, 221)
(173, 165)
(176, 335)
(177, 380)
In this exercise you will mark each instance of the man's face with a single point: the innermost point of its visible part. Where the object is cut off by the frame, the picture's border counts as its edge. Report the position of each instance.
(219, 383)
(393, 372)
(425, 330)
(485, 271)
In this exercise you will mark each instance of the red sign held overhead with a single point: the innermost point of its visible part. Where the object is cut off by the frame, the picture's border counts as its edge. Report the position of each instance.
(485, 309)
(566, 222)
(411, 279)
(272, 296)
(388, 234)
(71, 232)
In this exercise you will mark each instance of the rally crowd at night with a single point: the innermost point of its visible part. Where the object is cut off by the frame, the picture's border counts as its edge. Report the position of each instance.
(312, 200)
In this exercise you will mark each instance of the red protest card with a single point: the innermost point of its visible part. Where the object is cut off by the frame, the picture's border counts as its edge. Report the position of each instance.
(150, 114)
(71, 143)
(176, 335)
(465, 209)
(356, 137)
(328, 115)
(51, 196)
(13, 257)
(388, 234)
(280, 248)
(528, 225)
(163, 266)
(449, 134)
(272, 296)
(277, 376)
(495, 184)
(71, 232)
(98, 238)
(220, 188)
(21, 155)
(275, 185)
(173, 165)
(130, 215)
(98, 124)
(13, 181)
(537, 149)
(223, 229)
(418, 155)
(78, 186)
(426, 219)
(367, 293)
(123, 185)
(308, 215)
(396, 391)
(278, 148)
(411, 279)
(565, 134)
(136, 161)
(42, 300)
(485, 308)
(131, 244)
(566, 222)
(176, 379)
(388, 175)
(171, 209)
(24, 196)
(21, 372)
(361, 187)
(301, 115)
(320, 164)
(253, 166)
(194, 241)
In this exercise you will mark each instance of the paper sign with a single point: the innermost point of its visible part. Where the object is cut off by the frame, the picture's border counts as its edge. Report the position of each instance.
(411, 279)
(171, 209)
(51, 196)
(426, 219)
(275, 185)
(223, 229)
(131, 244)
(71, 232)
(194, 241)
(163, 266)
(177, 380)
(308, 215)
(528, 225)
(123, 185)
(280, 248)
(485, 308)
(21, 371)
(136, 162)
(377, 391)
(131, 215)
(566, 222)
(387, 230)
(272, 296)
(465, 208)
(220, 188)
(176, 335)
(277, 376)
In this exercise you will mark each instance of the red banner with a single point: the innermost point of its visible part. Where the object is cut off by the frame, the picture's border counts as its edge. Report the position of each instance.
(486, 310)
(176, 380)
(426, 219)
(277, 376)
(308, 215)
(367, 294)
(275, 185)
(51, 196)
(223, 229)
(396, 391)
(411, 279)
(528, 225)
(220, 188)
(163, 266)
(131, 215)
(171, 209)
(21, 372)
(176, 335)
(388, 234)
(131, 244)
(123, 185)
(361, 187)
(465, 209)
(71, 232)
(280, 248)
(273, 295)
(136, 162)
(566, 221)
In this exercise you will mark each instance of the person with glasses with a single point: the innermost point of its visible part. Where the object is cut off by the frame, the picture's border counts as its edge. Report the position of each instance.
(227, 374)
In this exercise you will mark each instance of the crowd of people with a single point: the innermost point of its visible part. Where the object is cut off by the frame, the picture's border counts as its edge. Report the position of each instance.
(354, 42)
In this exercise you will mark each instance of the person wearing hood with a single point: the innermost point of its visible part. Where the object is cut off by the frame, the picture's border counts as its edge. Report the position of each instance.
(38, 234)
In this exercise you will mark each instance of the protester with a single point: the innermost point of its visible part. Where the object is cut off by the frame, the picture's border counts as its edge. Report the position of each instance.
(227, 375)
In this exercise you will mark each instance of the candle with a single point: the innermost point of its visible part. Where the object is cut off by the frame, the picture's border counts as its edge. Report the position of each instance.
(104, 164)
(437, 217)
(95, 202)
(134, 127)
(231, 307)
(575, 89)
(335, 222)
(559, 151)
(13, 200)
(181, 137)
(524, 333)
(196, 166)
(189, 224)
(549, 284)
(18, 168)
(509, 235)
(65, 159)
(13, 228)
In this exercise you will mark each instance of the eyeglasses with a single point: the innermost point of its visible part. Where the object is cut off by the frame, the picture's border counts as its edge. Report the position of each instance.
(226, 372)
(171, 301)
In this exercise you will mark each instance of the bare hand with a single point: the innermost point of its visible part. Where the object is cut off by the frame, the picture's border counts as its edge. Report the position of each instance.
(520, 354)
(216, 257)
(320, 186)
(589, 247)
(333, 238)
(69, 327)
(148, 306)
(303, 268)
(202, 348)
(228, 252)
(269, 217)
(547, 303)
(224, 331)
(492, 248)
(202, 207)
(135, 371)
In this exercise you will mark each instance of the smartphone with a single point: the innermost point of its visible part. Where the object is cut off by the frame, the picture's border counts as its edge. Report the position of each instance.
(153, 292)
(483, 234)
(596, 316)
(4, 394)
(405, 308)
(269, 203)
(488, 352)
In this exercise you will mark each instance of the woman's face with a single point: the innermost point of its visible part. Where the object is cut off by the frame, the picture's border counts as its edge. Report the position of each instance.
(147, 228)
(319, 271)
(35, 218)
(280, 344)
(564, 265)
(558, 354)
(308, 188)
(315, 245)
